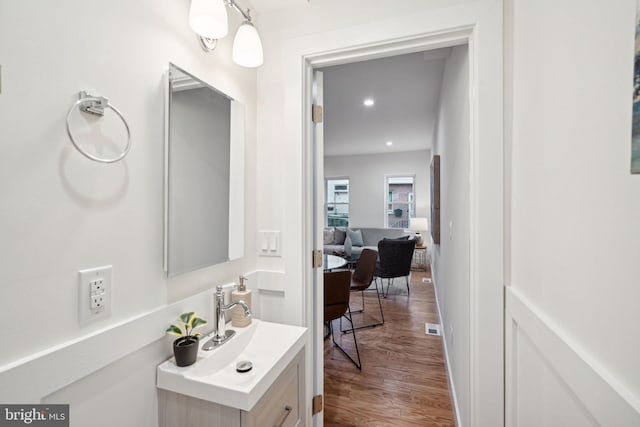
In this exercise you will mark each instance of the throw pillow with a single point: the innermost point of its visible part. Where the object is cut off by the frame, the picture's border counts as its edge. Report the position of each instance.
(339, 236)
(356, 237)
(328, 236)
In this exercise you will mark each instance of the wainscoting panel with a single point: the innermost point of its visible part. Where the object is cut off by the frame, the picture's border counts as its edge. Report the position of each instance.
(551, 381)
(269, 295)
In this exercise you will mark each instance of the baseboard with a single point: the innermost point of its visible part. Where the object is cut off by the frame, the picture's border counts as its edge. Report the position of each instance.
(452, 387)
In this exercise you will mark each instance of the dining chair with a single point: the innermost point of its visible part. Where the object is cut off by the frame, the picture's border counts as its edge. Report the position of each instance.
(337, 289)
(361, 280)
(395, 257)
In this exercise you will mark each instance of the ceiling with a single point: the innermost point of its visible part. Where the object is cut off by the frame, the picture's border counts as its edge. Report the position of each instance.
(405, 89)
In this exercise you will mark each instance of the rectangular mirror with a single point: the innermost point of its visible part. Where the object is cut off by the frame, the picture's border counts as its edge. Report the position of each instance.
(204, 175)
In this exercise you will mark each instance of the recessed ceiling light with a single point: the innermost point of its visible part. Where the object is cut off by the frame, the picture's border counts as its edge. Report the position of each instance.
(368, 102)
(389, 143)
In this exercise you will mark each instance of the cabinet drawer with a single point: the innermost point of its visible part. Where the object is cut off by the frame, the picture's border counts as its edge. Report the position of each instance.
(280, 406)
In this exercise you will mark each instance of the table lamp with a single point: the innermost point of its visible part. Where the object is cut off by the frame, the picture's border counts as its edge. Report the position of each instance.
(418, 225)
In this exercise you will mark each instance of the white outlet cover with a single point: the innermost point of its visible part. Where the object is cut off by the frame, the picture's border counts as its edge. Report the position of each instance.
(85, 277)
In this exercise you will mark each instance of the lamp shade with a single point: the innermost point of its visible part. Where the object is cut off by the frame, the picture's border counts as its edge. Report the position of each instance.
(208, 18)
(418, 224)
(247, 47)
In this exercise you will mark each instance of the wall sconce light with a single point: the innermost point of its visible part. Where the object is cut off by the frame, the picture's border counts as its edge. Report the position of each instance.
(208, 19)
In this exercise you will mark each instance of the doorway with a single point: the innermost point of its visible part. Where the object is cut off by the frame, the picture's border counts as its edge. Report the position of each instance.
(485, 294)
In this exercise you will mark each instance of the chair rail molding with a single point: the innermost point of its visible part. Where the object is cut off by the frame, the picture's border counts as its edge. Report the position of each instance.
(63, 364)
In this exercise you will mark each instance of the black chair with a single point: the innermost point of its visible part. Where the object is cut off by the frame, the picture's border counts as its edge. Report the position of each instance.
(337, 289)
(361, 281)
(395, 260)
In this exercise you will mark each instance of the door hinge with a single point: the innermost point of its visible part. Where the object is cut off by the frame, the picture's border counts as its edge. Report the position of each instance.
(316, 404)
(316, 258)
(316, 113)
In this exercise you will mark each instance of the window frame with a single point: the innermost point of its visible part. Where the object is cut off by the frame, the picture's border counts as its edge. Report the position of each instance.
(327, 202)
(389, 203)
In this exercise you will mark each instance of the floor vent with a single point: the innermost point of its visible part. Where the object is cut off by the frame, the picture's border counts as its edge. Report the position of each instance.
(432, 329)
(426, 280)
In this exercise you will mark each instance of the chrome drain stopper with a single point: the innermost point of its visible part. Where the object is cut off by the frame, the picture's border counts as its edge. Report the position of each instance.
(244, 366)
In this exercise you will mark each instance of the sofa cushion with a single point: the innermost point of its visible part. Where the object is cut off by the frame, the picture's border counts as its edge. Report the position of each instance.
(356, 237)
(333, 249)
(339, 235)
(371, 236)
(328, 236)
(397, 238)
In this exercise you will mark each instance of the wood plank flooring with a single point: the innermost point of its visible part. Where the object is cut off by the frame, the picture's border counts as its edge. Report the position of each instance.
(403, 380)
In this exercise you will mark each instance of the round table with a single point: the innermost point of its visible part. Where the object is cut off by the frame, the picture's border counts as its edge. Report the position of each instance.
(330, 262)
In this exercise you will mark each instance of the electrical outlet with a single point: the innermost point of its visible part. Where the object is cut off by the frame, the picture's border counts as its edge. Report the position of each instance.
(96, 286)
(97, 302)
(94, 293)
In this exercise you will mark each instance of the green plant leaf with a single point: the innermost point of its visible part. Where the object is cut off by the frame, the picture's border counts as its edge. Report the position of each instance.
(198, 322)
(174, 330)
(187, 318)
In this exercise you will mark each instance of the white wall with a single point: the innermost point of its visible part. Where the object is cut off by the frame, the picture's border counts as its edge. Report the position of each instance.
(62, 212)
(332, 27)
(367, 174)
(450, 263)
(572, 305)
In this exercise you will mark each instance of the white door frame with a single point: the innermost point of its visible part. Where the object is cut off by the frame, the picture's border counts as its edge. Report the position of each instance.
(486, 405)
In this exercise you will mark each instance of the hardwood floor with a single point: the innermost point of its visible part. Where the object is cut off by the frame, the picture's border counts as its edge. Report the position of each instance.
(403, 380)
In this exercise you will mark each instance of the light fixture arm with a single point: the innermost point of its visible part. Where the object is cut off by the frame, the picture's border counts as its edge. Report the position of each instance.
(233, 5)
(209, 44)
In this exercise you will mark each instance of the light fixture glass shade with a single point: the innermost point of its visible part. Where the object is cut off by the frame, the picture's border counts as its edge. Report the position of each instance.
(208, 18)
(247, 47)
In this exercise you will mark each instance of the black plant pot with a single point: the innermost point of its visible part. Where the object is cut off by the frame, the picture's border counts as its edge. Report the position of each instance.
(185, 350)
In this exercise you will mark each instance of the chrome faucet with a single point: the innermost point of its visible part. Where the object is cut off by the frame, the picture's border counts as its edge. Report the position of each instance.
(220, 334)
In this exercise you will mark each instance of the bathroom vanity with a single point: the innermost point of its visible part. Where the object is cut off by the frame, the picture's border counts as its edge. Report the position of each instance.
(212, 392)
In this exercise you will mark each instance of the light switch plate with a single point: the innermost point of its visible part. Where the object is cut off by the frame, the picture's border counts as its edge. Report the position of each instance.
(269, 243)
(94, 293)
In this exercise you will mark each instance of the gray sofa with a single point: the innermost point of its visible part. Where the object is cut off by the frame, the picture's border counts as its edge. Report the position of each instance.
(334, 239)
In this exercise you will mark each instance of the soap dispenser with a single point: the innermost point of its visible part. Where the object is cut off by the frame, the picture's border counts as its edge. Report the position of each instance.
(238, 318)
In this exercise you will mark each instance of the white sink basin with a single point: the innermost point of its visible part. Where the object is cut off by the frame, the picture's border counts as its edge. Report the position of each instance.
(270, 347)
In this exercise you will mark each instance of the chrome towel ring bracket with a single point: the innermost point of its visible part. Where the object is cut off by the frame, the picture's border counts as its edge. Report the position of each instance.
(96, 105)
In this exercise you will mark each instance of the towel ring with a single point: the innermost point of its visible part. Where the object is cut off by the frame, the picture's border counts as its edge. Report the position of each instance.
(96, 105)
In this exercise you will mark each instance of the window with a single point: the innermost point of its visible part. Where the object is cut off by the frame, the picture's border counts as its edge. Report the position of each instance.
(400, 201)
(337, 203)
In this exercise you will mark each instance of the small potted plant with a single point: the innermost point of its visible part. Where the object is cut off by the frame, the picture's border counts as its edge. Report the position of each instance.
(185, 348)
